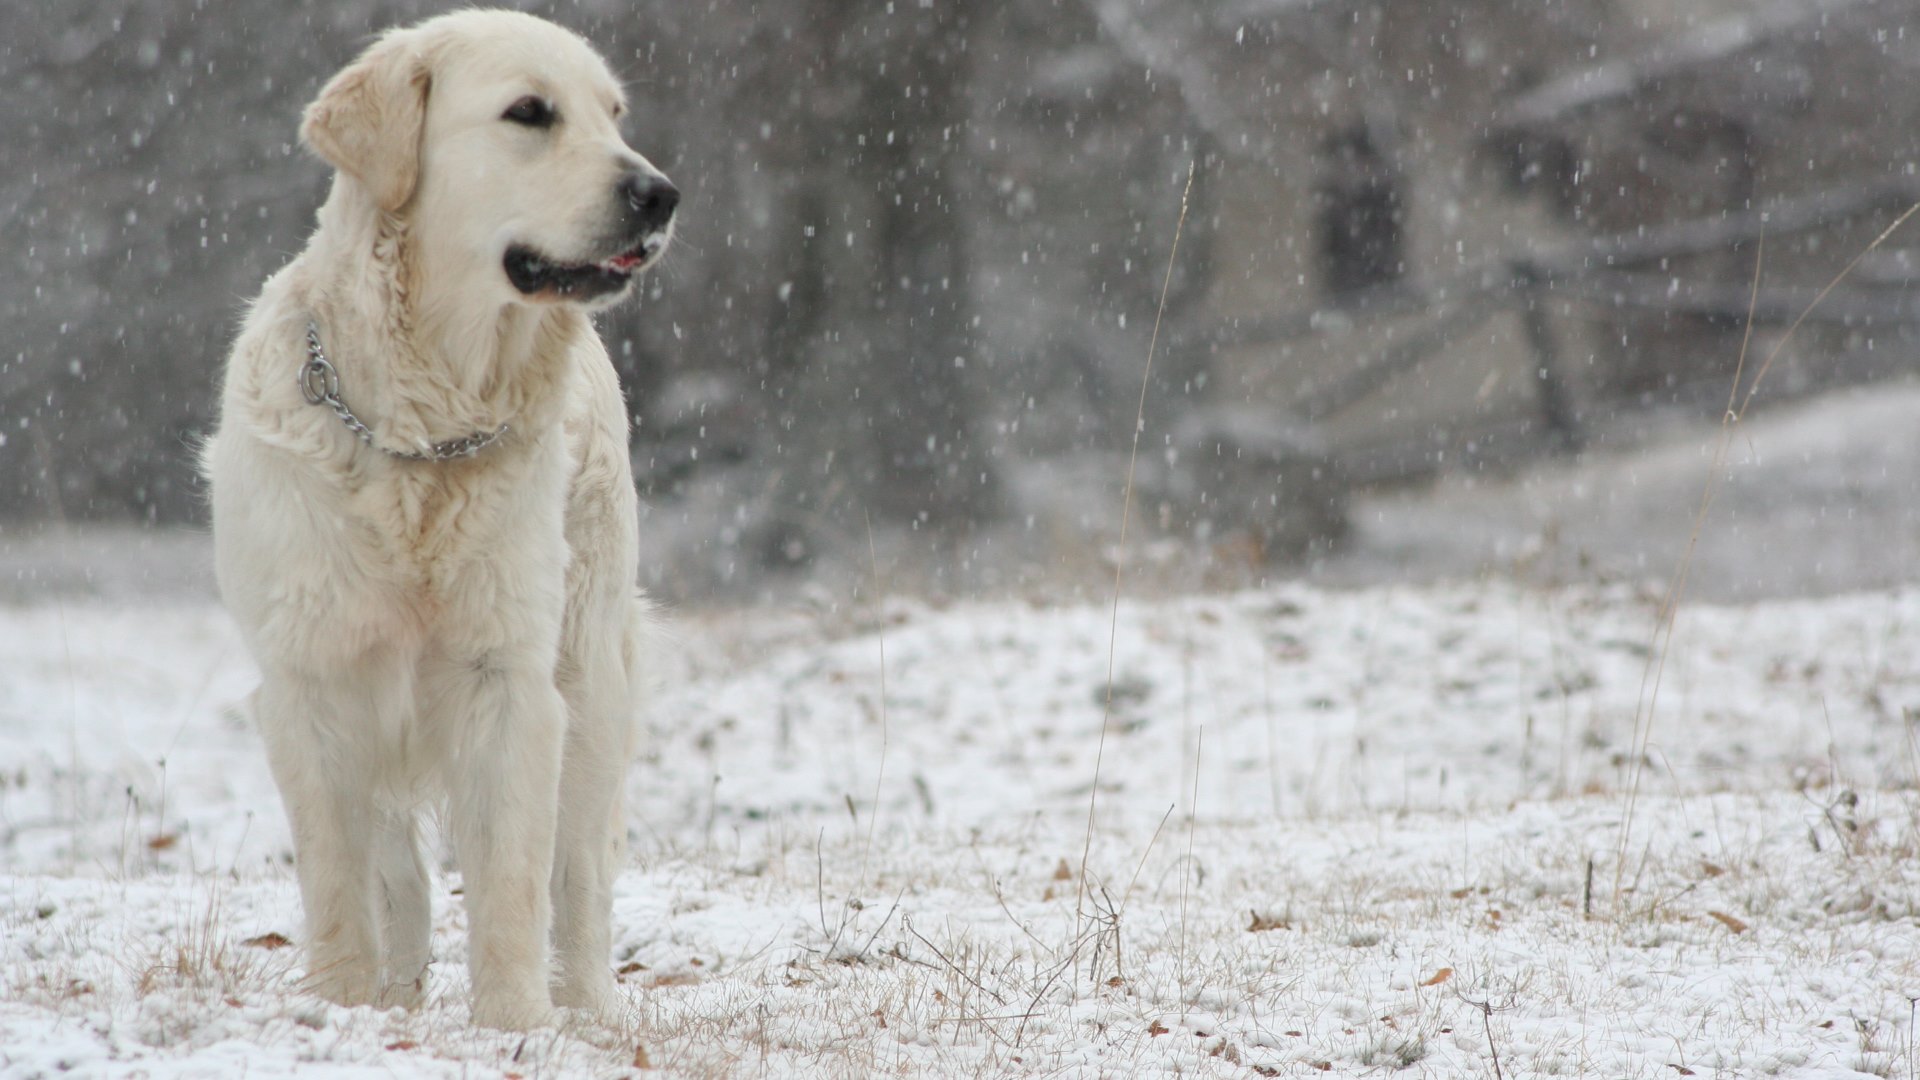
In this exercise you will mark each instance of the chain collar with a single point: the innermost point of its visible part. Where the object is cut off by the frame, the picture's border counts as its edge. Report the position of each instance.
(320, 385)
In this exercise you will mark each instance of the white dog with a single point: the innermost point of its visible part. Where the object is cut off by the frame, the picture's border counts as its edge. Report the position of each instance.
(424, 519)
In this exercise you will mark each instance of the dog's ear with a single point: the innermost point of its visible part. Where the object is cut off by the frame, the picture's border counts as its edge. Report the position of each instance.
(369, 119)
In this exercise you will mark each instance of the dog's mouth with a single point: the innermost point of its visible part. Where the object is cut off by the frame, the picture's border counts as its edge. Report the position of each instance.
(535, 274)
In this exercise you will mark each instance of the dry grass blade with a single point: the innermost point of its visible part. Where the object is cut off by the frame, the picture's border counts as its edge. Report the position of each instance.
(880, 636)
(1844, 273)
(1120, 552)
(1186, 875)
(1655, 670)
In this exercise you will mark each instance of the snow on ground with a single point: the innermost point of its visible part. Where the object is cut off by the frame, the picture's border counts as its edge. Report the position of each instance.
(1818, 496)
(1336, 833)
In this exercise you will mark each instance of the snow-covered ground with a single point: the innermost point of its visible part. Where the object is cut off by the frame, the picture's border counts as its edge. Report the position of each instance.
(1335, 833)
(1815, 497)
(1438, 822)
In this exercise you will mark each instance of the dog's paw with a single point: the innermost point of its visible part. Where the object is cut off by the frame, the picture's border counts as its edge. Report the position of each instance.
(597, 999)
(409, 995)
(344, 984)
(514, 1012)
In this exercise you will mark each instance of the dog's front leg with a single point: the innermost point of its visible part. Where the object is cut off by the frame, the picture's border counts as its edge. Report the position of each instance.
(407, 926)
(591, 833)
(320, 737)
(506, 722)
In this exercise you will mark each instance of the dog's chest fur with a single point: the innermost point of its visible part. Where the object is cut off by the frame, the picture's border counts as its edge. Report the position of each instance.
(434, 526)
(434, 534)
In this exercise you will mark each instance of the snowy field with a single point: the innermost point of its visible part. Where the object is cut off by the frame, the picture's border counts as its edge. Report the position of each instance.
(1421, 829)
(1336, 832)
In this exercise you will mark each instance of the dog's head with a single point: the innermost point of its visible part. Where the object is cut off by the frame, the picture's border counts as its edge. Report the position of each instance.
(496, 136)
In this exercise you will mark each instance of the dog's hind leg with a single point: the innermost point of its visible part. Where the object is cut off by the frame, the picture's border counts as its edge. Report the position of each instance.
(319, 744)
(407, 926)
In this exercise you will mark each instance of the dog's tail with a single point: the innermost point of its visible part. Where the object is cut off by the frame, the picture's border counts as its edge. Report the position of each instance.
(643, 652)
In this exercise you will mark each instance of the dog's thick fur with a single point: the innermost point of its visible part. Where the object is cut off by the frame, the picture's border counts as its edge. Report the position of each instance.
(463, 634)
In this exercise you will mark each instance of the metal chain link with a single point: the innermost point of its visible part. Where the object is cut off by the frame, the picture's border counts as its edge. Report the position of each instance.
(320, 385)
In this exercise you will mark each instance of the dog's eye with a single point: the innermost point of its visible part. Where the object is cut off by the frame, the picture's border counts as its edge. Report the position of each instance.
(530, 111)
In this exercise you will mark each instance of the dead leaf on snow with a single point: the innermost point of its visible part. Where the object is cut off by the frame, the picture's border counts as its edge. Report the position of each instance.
(1266, 922)
(1729, 922)
(1439, 977)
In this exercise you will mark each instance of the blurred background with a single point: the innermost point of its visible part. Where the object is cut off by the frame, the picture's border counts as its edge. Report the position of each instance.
(1460, 286)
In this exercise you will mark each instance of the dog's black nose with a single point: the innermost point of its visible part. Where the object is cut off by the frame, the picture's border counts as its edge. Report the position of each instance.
(650, 198)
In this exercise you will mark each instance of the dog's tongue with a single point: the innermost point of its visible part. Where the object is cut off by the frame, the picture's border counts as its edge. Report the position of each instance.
(623, 262)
